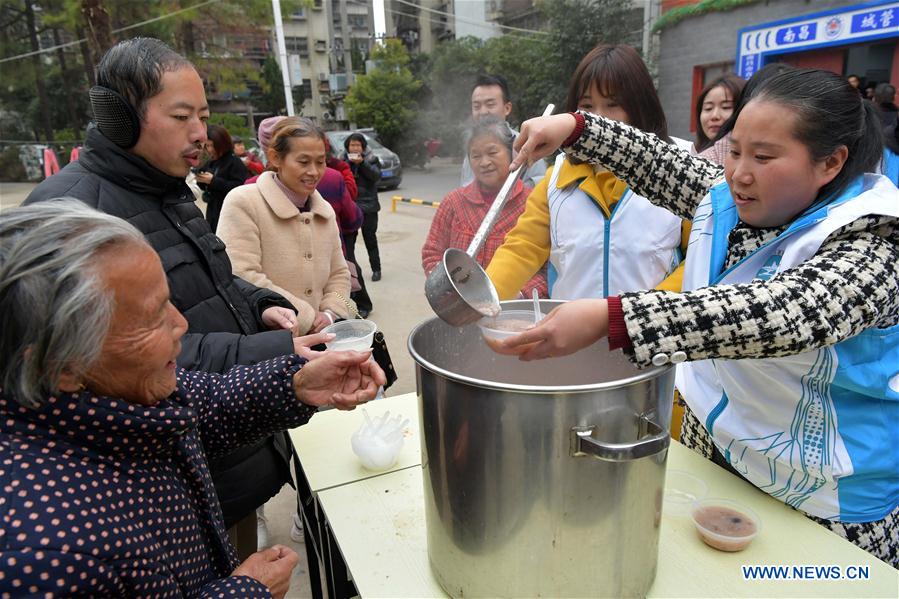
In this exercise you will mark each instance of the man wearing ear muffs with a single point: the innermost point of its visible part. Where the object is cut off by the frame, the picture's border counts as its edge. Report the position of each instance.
(150, 126)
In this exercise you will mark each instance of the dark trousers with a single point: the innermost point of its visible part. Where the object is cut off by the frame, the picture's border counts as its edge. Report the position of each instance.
(349, 245)
(361, 297)
(369, 235)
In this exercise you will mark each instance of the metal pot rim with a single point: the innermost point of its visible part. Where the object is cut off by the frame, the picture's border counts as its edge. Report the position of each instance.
(645, 375)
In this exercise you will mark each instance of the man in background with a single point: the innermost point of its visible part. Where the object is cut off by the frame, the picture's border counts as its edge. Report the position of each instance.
(490, 97)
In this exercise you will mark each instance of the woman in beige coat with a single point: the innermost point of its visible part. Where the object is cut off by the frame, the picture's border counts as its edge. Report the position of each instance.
(282, 235)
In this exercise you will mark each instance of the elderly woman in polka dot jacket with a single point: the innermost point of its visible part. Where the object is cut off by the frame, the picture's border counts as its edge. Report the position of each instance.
(104, 482)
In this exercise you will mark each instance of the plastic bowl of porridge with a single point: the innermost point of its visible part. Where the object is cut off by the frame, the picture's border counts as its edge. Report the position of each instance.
(724, 524)
(507, 323)
(355, 334)
(682, 491)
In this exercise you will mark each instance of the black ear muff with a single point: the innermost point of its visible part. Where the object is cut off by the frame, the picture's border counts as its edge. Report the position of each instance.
(115, 117)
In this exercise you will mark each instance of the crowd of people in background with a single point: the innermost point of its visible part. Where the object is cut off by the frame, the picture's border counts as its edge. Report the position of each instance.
(883, 95)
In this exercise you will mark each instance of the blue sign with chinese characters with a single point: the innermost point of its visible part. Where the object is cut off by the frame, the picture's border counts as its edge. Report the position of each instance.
(793, 35)
(870, 21)
(748, 65)
(874, 20)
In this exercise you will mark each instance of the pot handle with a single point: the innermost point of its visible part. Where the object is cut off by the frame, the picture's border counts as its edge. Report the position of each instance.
(583, 443)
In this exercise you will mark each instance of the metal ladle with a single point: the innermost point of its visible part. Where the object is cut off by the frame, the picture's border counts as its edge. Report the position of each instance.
(459, 290)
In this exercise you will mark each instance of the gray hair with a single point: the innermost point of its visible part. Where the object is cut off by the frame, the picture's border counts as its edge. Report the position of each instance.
(494, 127)
(134, 68)
(54, 310)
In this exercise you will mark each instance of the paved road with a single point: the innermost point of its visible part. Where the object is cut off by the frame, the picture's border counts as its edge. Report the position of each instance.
(399, 301)
(13, 194)
(398, 298)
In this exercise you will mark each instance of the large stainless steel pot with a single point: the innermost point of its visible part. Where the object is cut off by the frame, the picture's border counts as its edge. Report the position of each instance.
(540, 478)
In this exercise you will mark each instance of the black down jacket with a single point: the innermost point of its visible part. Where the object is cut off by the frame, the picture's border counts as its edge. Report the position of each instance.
(222, 310)
(228, 172)
(367, 173)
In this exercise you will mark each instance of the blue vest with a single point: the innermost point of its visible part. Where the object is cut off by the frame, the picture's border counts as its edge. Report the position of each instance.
(636, 248)
(818, 430)
(890, 165)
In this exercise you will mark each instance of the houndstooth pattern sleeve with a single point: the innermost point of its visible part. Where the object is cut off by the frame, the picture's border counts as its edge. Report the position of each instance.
(851, 284)
(661, 172)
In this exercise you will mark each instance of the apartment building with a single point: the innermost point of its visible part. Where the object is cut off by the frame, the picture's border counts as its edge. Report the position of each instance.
(420, 24)
(327, 44)
(221, 52)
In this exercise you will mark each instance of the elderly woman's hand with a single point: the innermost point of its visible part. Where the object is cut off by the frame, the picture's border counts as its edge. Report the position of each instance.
(272, 567)
(277, 317)
(343, 379)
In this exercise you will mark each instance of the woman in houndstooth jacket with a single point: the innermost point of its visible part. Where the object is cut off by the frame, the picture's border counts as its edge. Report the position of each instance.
(788, 328)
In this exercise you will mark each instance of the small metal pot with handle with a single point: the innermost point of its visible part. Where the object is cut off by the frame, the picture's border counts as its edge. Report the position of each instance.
(540, 478)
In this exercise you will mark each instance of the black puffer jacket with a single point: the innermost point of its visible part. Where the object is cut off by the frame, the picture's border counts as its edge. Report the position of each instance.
(228, 172)
(367, 173)
(222, 310)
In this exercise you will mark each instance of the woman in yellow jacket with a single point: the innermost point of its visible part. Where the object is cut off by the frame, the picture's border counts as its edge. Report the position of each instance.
(598, 236)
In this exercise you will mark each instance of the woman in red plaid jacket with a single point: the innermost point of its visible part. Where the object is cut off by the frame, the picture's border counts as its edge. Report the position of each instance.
(461, 212)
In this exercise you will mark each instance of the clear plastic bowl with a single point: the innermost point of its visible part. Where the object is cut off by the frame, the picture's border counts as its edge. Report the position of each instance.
(724, 524)
(507, 323)
(682, 490)
(355, 334)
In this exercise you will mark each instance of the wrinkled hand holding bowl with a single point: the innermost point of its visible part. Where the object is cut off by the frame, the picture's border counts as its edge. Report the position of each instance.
(355, 334)
(378, 442)
(725, 525)
(682, 491)
(507, 323)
